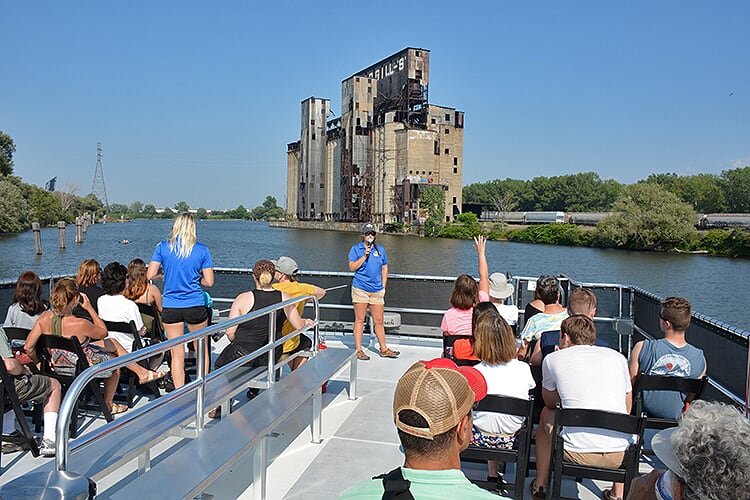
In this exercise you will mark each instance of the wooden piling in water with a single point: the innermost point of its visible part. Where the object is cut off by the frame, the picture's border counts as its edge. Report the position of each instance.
(79, 230)
(37, 237)
(61, 231)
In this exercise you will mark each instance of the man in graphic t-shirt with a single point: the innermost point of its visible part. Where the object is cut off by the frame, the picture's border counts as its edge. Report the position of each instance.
(671, 356)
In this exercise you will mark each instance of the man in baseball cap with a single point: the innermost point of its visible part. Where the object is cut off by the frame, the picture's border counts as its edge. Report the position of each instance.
(432, 410)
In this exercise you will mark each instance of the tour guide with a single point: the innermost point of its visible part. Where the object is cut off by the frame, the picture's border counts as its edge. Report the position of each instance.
(368, 262)
(432, 409)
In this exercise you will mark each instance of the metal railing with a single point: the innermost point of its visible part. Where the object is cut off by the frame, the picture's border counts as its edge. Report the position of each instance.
(198, 386)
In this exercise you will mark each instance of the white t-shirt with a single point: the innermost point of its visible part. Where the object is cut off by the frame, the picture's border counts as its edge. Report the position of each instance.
(118, 308)
(509, 313)
(589, 377)
(506, 379)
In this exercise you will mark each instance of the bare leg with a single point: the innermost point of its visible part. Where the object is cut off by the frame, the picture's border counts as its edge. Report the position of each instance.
(113, 346)
(52, 404)
(110, 385)
(492, 468)
(297, 362)
(192, 328)
(377, 311)
(177, 366)
(360, 310)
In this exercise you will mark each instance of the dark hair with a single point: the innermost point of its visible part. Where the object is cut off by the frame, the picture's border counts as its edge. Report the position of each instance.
(548, 289)
(676, 310)
(465, 291)
(113, 278)
(581, 301)
(491, 335)
(580, 328)
(412, 444)
(28, 294)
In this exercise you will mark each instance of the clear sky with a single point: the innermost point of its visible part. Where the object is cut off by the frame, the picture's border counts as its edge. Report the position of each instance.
(196, 101)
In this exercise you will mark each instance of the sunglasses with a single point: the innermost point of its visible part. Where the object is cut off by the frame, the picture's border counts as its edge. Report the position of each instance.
(370, 233)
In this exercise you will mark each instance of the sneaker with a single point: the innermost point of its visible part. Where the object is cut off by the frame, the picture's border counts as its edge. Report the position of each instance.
(47, 448)
(251, 393)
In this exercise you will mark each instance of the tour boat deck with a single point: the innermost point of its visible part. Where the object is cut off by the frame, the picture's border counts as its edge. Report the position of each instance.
(359, 438)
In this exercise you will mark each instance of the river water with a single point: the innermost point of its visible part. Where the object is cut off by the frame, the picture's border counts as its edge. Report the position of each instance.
(714, 285)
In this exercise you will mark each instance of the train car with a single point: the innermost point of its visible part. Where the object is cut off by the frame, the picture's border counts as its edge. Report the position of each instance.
(507, 217)
(544, 218)
(717, 221)
(586, 218)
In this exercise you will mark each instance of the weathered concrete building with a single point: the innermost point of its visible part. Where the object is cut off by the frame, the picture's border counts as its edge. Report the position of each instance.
(387, 146)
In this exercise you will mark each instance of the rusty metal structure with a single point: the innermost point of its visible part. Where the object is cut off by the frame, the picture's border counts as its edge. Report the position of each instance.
(388, 144)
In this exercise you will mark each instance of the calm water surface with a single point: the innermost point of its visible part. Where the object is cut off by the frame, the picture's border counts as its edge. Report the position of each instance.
(716, 286)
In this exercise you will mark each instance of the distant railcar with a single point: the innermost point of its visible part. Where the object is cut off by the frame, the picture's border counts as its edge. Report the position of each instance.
(586, 218)
(544, 218)
(715, 221)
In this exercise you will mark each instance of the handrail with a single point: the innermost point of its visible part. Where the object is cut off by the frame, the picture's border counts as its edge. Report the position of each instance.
(62, 445)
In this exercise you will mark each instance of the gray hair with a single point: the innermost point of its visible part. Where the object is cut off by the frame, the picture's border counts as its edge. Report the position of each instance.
(711, 446)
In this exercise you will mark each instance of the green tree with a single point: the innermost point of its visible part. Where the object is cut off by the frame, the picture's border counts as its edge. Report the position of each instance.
(647, 216)
(736, 184)
(201, 213)
(45, 209)
(136, 208)
(703, 191)
(181, 207)
(432, 201)
(149, 210)
(466, 226)
(7, 149)
(14, 211)
(118, 209)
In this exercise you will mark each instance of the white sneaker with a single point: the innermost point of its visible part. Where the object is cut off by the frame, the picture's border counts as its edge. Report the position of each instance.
(47, 448)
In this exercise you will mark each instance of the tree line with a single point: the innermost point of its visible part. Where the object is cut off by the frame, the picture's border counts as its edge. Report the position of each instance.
(728, 192)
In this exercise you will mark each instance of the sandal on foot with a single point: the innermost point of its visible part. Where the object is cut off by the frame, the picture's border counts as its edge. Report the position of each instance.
(607, 495)
(539, 492)
(362, 356)
(151, 377)
(389, 353)
(215, 413)
(116, 409)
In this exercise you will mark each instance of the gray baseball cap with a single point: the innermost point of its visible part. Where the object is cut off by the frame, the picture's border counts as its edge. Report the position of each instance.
(286, 265)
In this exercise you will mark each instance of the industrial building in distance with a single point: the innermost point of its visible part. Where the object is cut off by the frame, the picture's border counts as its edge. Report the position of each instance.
(388, 145)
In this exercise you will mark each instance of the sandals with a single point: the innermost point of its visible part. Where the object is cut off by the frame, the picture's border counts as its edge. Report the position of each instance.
(607, 495)
(362, 356)
(215, 413)
(539, 492)
(116, 409)
(151, 377)
(389, 353)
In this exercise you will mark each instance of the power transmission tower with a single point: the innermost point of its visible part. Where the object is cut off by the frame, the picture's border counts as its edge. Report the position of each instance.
(98, 188)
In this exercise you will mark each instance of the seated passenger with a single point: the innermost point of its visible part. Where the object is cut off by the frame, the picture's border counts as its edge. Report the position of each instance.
(140, 291)
(87, 280)
(534, 307)
(548, 290)
(432, 411)
(706, 456)
(62, 323)
(581, 301)
(500, 290)
(113, 306)
(582, 375)
(671, 356)
(252, 335)
(495, 346)
(286, 277)
(28, 303)
(30, 387)
(465, 295)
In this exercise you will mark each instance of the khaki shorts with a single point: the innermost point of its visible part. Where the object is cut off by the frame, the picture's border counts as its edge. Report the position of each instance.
(362, 297)
(610, 460)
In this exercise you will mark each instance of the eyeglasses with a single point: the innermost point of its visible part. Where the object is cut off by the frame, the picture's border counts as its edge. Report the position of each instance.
(370, 233)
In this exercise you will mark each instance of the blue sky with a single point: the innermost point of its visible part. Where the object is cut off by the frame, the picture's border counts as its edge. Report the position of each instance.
(196, 101)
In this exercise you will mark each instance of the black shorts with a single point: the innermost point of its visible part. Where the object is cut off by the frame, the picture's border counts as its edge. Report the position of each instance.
(31, 387)
(190, 315)
(304, 344)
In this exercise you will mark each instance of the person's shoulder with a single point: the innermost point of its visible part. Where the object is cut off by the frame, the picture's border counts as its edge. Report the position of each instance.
(367, 489)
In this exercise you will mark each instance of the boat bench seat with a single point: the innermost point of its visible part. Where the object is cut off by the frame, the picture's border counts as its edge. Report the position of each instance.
(191, 469)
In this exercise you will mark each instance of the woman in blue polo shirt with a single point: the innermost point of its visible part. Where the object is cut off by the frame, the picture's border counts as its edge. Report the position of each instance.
(369, 263)
(187, 266)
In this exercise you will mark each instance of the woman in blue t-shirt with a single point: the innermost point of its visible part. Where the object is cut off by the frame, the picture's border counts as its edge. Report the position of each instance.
(370, 266)
(187, 265)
